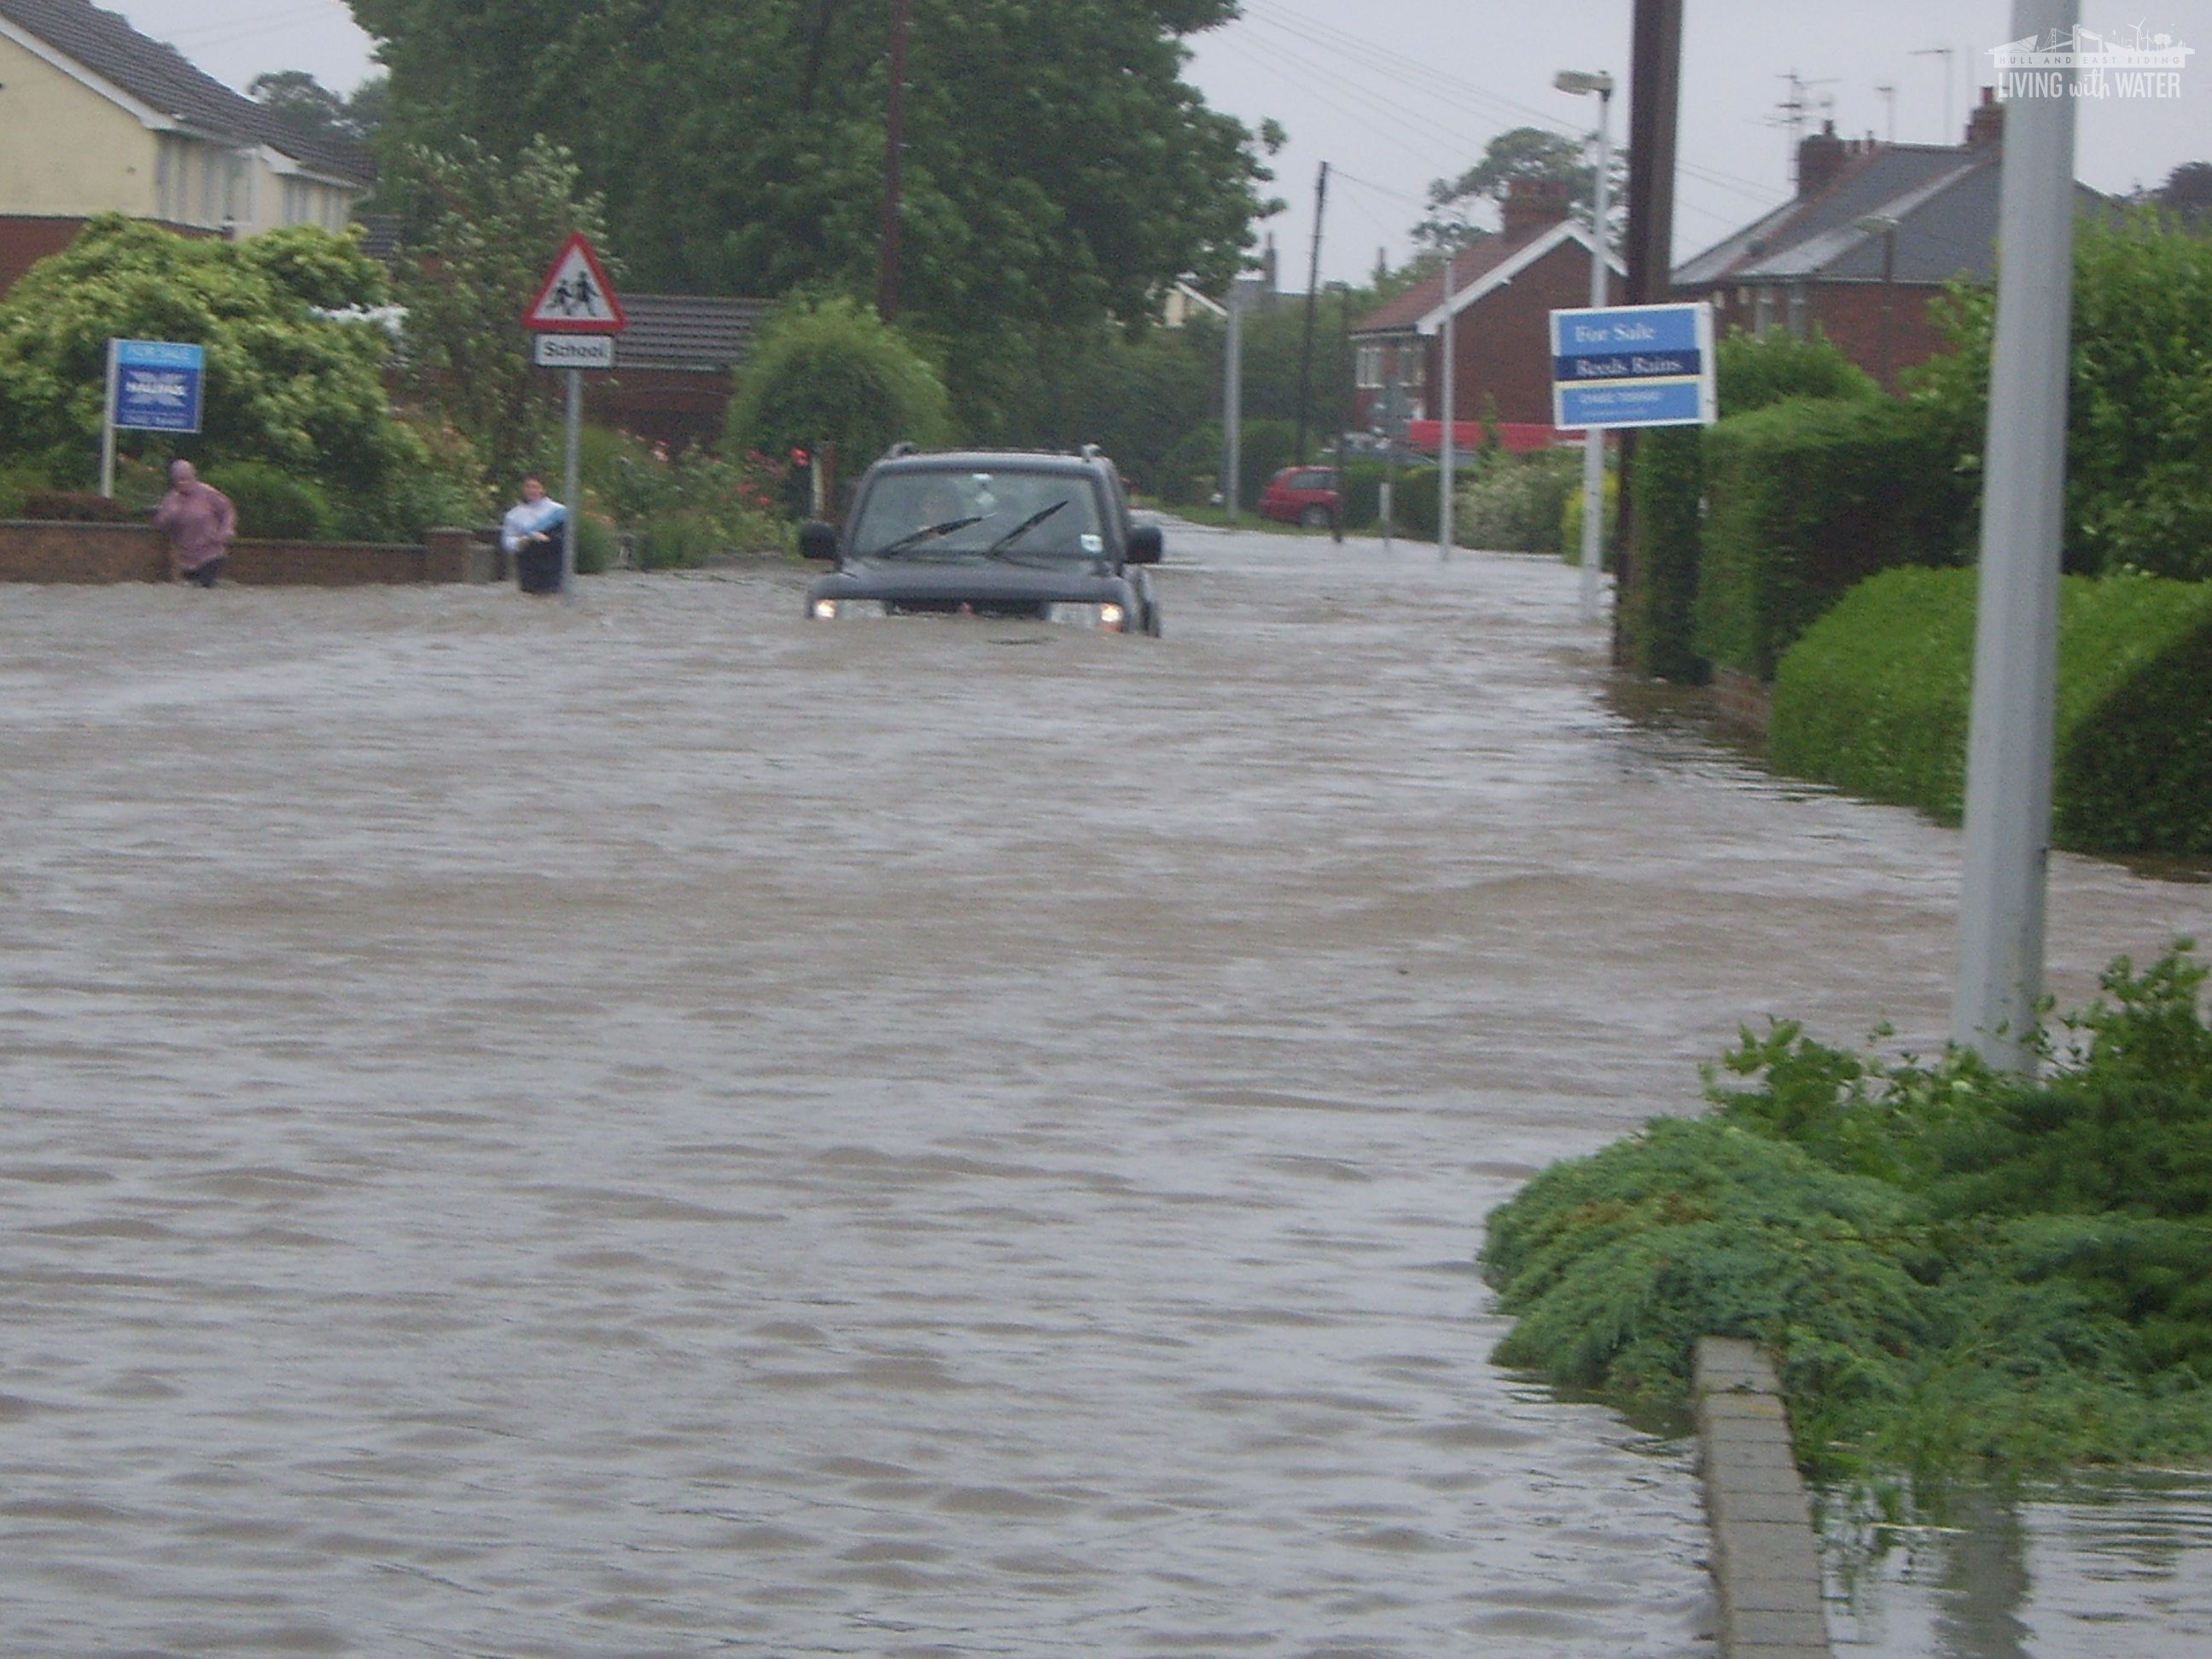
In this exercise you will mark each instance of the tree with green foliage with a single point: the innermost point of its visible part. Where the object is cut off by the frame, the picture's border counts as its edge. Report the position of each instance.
(477, 236)
(1057, 170)
(2139, 397)
(1522, 153)
(300, 98)
(833, 372)
(2188, 188)
(286, 383)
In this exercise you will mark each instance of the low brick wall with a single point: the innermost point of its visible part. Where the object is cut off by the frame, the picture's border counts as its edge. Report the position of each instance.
(35, 551)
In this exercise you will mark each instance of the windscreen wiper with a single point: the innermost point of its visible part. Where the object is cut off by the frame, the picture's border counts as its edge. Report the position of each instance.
(1024, 527)
(928, 532)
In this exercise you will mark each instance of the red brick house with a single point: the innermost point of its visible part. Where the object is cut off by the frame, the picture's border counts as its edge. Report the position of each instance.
(1874, 233)
(1504, 290)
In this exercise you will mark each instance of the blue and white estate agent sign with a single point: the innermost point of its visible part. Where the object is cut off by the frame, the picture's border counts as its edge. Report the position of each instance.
(154, 385)
(1633, 366)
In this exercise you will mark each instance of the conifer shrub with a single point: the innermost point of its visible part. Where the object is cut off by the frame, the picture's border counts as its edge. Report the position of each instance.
(1956, 1269)
(1875, 700)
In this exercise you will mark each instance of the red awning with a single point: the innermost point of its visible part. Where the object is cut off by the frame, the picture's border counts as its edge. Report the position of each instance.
(1519, 436)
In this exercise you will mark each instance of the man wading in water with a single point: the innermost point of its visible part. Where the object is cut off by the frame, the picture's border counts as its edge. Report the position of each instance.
(531, 533)
(199, 522)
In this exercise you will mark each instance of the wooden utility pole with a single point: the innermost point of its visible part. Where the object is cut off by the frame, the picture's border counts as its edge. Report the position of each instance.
(1313, 293)
(887, 277)
(1654, 87)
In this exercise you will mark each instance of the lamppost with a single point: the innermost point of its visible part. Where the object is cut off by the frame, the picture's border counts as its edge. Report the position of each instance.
(1884, 226)
(1578, 81)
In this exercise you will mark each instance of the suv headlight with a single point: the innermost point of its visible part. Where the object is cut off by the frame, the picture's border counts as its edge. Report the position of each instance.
(828, 610)
(1112, 616)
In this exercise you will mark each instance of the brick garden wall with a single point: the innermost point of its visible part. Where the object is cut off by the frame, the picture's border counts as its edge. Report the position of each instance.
(32, 551)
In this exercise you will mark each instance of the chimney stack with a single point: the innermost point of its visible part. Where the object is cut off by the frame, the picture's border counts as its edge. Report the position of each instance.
(1820, 158)
(1532, 205)
(1986, 124)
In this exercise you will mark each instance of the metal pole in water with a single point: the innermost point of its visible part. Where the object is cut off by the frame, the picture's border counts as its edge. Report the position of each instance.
(1233, 405)
(107, 427)
(2009, 742)
(571, 482)
(1594, 437)
(1444, 452)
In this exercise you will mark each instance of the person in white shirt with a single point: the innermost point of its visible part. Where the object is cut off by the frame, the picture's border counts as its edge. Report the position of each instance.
(531, 533)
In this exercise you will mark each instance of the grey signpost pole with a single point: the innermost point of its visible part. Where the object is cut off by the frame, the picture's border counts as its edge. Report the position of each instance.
(571, 482)
(1445, 449)
(2008, 748)
(1233, 404)
(108, 425)
(1594, 437)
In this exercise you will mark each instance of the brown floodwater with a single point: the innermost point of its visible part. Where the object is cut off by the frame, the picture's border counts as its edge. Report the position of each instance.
(646, 1126)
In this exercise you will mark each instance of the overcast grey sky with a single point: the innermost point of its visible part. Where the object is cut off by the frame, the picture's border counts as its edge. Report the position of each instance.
(1394, 94)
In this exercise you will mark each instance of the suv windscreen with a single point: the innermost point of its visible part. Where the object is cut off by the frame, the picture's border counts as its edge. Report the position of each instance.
(900, 504)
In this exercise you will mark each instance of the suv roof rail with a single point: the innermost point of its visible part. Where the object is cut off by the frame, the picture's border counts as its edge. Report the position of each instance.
(904, 446)
(1091, 452)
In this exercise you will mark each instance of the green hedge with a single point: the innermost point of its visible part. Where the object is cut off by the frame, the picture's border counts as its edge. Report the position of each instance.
(1414, 502)
(1805, 499)
(1668, 483)
(1191, 470)
(1875, 699)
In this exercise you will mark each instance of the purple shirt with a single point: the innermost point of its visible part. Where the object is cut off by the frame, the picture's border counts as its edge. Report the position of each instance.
(200, 522)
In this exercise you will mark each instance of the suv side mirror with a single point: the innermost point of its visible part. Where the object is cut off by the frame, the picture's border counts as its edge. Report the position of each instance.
(1145, 544)
(817, 540)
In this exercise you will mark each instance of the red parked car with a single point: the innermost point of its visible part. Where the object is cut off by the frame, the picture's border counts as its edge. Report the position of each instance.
(1303, 495)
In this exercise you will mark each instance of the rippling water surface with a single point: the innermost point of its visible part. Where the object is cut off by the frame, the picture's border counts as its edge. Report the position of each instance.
(644, 1126)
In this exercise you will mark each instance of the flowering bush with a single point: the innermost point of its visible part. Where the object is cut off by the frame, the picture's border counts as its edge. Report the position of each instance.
(686, 509)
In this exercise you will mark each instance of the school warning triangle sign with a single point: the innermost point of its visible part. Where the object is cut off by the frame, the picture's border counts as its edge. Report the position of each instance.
(576, 297)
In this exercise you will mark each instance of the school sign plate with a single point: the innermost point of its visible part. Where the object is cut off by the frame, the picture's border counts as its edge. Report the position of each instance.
(1633, 366)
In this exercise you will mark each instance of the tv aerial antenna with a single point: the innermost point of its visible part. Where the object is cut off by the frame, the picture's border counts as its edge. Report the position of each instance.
(1794, 110)
(1946, 53)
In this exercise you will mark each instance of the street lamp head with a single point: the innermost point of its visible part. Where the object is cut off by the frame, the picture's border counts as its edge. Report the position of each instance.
(1878, 224)
(1579, 81)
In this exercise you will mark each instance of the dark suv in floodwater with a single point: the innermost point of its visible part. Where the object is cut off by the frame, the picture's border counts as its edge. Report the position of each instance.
(989, 533)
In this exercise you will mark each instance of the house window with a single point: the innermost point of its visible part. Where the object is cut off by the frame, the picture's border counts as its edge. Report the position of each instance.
(237, 189)
(1800, 311)
(172, 178)
(1762, 313)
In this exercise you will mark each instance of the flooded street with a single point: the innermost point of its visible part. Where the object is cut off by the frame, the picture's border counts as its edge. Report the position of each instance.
(647, 1126)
